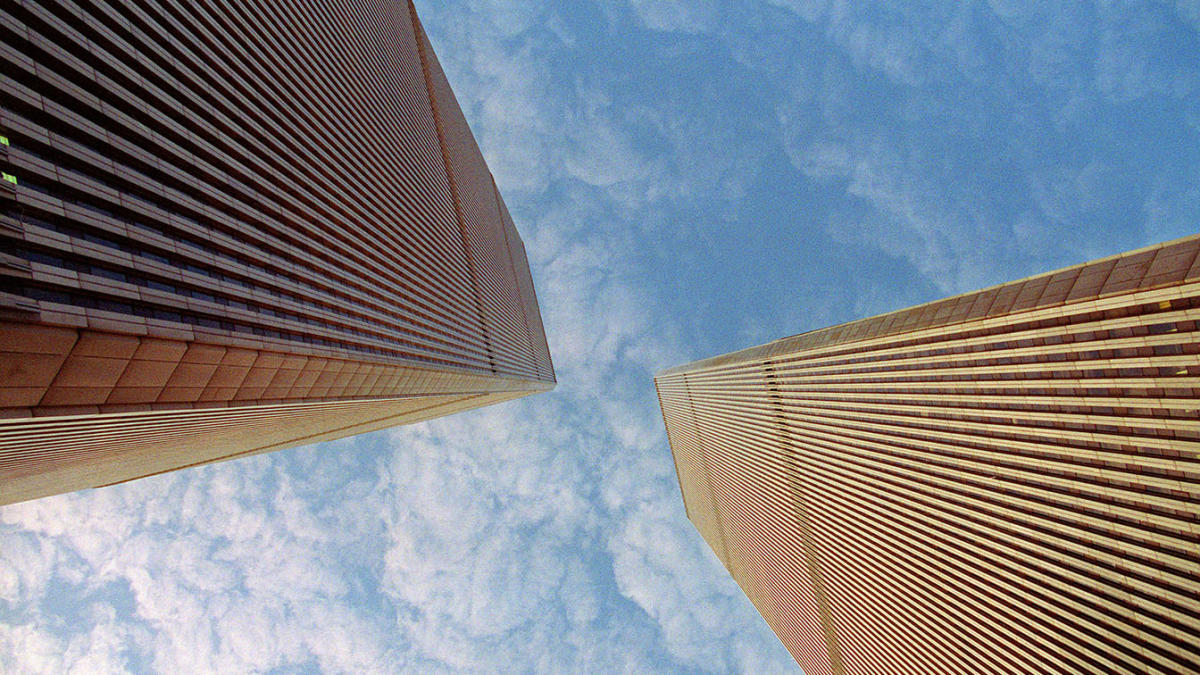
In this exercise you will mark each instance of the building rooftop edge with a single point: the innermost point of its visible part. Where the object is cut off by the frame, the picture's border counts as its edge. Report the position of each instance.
(757, 351)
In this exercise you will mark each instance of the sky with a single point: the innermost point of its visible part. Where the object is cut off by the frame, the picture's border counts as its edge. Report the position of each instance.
(689, 178)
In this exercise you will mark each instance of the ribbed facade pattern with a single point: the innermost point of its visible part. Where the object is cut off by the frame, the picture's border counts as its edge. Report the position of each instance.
(289, 188)
(1006, 481)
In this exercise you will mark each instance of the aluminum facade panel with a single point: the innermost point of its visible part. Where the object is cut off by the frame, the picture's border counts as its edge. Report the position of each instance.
(1005, 481)
(483, 228)
(272, 182)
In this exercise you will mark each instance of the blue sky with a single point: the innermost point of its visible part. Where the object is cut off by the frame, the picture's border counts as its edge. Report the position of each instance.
(689, 178)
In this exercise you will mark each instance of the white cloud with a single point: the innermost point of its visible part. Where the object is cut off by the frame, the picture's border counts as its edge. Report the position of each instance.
(547, 534)
(682, 16)
(214, 582)
(810, 10)
(971, 162)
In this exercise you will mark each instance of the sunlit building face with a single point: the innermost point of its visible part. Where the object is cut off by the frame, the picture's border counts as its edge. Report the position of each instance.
(1002, 481)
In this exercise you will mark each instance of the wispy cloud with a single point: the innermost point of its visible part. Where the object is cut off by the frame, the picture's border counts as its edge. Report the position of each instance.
(998, 129)
(687, 180)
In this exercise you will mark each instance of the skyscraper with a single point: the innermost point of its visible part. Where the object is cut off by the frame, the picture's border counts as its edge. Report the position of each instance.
(232, 227)
(1006, 481)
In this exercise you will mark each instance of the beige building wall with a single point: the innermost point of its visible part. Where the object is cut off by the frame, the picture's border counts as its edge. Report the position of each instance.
(1006, 481)
(233, 227)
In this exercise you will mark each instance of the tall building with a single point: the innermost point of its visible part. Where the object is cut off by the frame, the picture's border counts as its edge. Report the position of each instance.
(233, 227)
(1006, 481)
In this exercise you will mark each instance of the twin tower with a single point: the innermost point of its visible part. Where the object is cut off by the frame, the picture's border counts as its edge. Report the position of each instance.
(237, 228)
(229, 229)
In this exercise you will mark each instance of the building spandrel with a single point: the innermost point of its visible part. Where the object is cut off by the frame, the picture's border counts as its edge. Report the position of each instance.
(227, 228)
(1006, 481)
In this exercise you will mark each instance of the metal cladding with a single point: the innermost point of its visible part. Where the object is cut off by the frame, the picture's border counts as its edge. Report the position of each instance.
(1006, 481)
(231, 227)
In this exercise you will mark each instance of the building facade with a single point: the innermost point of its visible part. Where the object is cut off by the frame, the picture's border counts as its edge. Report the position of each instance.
(232, 227)
(1006, 481)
